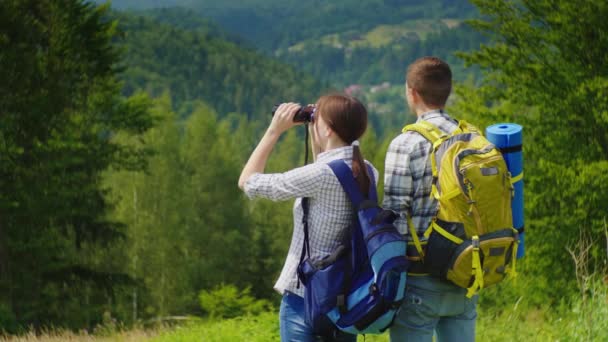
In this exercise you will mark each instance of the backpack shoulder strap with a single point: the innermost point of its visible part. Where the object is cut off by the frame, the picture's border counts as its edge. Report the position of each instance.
(345, 175)
(435, 136)
(429, 131)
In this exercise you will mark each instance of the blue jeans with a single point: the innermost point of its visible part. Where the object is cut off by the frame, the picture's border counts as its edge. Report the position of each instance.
(294, 327)
(433, 306)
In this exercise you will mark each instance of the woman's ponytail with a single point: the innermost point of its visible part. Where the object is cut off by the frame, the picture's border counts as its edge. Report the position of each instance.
(360, 169)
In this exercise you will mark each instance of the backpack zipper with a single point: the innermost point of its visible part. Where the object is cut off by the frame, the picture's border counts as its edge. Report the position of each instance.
(459, 171)
(490, 159)
(473, 207)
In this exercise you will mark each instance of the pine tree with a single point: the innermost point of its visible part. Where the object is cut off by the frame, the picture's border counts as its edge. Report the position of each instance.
(60, 104)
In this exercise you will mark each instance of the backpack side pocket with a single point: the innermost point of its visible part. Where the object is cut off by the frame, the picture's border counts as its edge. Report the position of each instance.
(323, 280)
(440, 248)
(495, 254)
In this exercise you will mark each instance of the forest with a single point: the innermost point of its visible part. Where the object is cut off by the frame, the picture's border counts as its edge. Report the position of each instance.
(124, 128)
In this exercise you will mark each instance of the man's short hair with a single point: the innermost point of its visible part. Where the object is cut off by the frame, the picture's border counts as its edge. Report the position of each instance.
(432, 79)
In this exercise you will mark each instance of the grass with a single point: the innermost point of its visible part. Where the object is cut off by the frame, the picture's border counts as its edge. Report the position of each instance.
(575, 321)
(582, 319)
(66, 336)
(264, 327)
(386, 34)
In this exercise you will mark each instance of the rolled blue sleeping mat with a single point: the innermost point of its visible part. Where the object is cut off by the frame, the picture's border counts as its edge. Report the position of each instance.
(508, 138)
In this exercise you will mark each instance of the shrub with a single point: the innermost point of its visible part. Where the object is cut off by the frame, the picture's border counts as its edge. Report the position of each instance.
(8, 322)
(227, 301)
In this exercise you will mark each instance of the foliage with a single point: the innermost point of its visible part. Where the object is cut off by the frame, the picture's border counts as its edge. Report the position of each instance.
(368, 64)
(60, 104)
(546, 69)
(189, 226)
(520, 321)
(8, 321)
(227, 301)
(335, 54)
(275, 23)
(569, 320)
(517, 322)
(193, 61)
(102, 236)
(277, 30)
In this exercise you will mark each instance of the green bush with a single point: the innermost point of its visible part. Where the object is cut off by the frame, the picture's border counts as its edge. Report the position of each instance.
(227, 301)
(8, 321)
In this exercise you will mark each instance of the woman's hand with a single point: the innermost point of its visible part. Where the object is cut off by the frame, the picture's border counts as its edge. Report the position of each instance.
(282, 119)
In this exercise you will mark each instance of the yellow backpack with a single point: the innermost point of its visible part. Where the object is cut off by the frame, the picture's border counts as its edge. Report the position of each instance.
(471, 241)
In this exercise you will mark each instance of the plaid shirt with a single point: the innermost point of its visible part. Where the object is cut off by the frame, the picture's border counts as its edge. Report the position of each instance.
(408, 175)
(330, 210)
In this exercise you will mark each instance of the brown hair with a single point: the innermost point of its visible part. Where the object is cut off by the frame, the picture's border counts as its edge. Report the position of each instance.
(432, 79)
(347, 117)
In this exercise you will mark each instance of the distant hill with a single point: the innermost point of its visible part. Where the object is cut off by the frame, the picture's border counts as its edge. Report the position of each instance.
(343, 42)
(381, 54)
(273, 24)
(204, 63)
(363, 45)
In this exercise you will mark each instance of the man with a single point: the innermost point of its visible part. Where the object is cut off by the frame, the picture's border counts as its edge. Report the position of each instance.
(431, 305)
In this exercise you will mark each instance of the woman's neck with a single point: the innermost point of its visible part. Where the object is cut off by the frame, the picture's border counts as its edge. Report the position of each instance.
(333, 144)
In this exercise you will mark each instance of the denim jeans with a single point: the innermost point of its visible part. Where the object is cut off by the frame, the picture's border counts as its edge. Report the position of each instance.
(294, 327)
(434, 306)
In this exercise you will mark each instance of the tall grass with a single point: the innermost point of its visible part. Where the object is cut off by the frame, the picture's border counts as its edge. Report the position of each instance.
(66, 336)
(572, 320)
(569, 321)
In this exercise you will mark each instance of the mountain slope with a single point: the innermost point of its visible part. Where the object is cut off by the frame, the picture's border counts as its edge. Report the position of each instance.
(272, 24)
(200, 64)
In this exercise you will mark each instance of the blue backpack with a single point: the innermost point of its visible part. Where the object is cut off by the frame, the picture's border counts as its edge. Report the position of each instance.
(359, 288)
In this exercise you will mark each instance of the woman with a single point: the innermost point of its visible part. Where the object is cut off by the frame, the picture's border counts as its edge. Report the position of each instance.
(338, 121)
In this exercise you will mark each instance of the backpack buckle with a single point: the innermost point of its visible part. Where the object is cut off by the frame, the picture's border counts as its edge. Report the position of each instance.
(475, 243)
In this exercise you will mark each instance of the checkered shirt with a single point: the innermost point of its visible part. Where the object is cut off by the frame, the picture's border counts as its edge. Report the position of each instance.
(330, 210)
(408, 175)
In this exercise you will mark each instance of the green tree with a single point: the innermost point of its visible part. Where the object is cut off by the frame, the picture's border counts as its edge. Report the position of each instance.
(189, 227)
(151, 204)
(199, 64)
(547, 69)
(60, 104)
